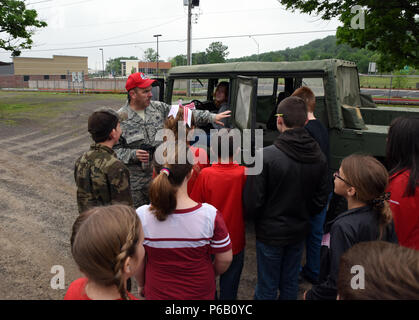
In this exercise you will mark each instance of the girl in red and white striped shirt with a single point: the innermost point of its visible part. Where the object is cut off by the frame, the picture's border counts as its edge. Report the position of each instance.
(180, 235)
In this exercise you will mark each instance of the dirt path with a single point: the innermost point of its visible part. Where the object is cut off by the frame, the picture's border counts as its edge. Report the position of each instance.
(37, 200)
(38, 203)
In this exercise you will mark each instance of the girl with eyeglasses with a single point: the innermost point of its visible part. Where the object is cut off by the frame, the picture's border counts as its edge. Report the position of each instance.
(362, 181)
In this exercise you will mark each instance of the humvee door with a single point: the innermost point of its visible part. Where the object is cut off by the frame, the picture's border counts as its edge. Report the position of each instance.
(158, 89)
(243, 102)
(243, 107)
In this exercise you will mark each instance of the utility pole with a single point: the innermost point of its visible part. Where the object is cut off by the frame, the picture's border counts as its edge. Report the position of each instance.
(189, 49)
(257, 43)
(157, 37)
(191, 4)
(103, 66)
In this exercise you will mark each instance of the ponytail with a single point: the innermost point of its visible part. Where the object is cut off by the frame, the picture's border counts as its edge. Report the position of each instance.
(162, 196)
(126, 251)
(177, 123)
(382, 207)
(163, 188)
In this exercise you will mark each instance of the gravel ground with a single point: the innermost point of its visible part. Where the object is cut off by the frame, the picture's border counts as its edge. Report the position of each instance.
(38, 203)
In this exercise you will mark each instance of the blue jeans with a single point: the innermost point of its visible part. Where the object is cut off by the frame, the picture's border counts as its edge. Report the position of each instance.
(229, 280)
(278, 268)
(311, 270)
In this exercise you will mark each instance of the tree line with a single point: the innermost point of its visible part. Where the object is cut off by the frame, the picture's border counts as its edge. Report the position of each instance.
(326, 48)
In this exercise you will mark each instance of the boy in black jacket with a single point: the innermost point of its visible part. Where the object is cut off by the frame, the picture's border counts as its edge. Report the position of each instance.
(318, 131)
(292, 186)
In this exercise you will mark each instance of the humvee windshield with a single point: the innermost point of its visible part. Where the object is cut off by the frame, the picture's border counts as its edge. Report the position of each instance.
(269, 92)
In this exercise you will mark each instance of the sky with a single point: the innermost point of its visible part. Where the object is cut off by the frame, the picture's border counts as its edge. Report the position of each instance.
(126, 28)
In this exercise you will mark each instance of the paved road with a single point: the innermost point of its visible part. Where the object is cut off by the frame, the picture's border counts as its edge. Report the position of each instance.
(393, 93)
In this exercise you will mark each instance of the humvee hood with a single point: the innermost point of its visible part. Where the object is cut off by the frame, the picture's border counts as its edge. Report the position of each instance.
(299, 145)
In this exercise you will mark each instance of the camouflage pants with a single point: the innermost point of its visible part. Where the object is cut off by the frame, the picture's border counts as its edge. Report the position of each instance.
(140, 182)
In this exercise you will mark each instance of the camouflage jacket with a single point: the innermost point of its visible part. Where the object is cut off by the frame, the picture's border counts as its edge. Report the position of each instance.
(136, 131)
(101, 179)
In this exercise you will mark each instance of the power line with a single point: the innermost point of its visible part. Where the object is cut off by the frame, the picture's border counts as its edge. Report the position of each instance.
(65, 4)
(124, 21)
(29, 4)
(183, 40)
(126, 34)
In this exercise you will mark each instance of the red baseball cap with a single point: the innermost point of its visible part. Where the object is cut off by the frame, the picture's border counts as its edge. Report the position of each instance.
(138, 80)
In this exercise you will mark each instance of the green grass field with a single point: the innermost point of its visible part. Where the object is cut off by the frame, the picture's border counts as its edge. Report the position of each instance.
(37, 106)
(384, 82)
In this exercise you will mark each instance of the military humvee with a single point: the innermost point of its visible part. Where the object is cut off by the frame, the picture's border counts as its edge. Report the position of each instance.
(354, 122)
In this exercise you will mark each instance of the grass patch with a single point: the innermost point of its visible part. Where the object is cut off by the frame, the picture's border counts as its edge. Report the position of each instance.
(37, 106)
(384, 82)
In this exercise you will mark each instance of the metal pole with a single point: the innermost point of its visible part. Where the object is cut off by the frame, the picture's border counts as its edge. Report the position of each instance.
(157, 36)
(389, 92)
(189, 49)
(103, 66)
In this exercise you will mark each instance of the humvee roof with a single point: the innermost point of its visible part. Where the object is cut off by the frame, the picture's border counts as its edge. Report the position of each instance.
(260, 67)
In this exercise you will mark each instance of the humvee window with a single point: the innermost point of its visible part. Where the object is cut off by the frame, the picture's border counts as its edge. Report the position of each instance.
(348, 86)
(265, 86)
(315, 84)
(198, 90)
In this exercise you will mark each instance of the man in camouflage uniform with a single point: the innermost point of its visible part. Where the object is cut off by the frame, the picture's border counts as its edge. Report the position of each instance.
(142, 119)
(101, 178)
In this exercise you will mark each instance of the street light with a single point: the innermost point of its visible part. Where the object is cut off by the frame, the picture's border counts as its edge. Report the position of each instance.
(103, 66)
(256, 44)
(157, 36)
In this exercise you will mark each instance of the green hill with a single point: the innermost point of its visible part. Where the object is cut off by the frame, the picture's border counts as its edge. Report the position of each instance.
(318, 49)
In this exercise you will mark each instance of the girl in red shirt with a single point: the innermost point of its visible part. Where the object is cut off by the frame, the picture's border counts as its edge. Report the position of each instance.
(403, 164)
(175, 124)
(107, 245)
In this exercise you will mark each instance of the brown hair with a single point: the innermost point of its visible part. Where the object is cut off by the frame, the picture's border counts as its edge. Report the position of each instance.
(308, 96)
(403, 150)
(101, 123)
(391, 272)
(164, 187)
(76, 225)
(177, 123)
(294, 112)
(370, 179)
(226, 86)
(103, 238)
